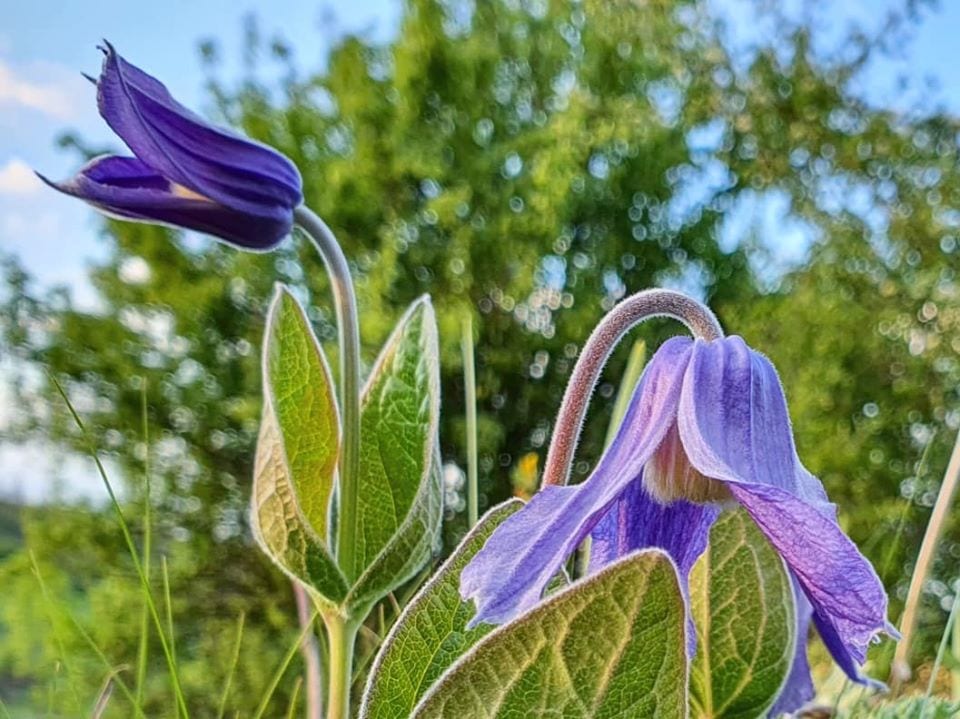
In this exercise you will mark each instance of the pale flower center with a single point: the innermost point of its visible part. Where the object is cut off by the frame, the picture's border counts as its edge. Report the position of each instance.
(669, 476)
(186, 193)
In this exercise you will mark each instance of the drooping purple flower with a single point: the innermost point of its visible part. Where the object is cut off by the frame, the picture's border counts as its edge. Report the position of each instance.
(707, 426)
(185, 172)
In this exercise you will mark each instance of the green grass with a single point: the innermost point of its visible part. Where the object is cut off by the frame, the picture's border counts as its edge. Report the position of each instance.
(11, 531)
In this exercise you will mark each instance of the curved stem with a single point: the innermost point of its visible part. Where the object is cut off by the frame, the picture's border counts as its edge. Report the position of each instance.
(345, 301)
(615, 324)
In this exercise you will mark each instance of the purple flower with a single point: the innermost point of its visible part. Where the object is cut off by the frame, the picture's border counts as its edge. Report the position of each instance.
(185, 172)
(707, 426)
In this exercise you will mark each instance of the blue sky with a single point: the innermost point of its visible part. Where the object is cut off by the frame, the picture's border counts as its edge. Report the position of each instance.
(45, 44)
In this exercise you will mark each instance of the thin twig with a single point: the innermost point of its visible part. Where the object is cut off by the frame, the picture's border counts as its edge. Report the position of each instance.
(901, 659)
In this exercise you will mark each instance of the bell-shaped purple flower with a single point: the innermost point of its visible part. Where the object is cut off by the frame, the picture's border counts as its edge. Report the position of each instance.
(185, 172)
(706, 427)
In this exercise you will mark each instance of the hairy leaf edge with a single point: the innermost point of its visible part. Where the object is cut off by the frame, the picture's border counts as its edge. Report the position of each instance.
(548, 603)
(505, 508)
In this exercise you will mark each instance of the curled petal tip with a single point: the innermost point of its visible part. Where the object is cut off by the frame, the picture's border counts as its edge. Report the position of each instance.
(46, 180)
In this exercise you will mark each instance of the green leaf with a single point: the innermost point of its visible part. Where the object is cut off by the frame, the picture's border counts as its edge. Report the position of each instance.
(742, 603)
(400, 492)
(612, 645)
(301, 392)
(431, 633)
(296, 452)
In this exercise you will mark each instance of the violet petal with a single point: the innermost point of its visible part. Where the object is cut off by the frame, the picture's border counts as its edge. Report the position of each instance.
(128, 188)
(734, 426)
(507, 577)
(234, 171)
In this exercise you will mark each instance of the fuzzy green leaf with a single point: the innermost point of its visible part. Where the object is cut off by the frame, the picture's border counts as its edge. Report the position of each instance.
(296, 452)
(431, 633)
(612, 645)
(399, 507)
(743, 606)
(297, 379)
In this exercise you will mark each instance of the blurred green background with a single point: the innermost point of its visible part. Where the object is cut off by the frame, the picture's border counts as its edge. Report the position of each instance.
(528, 163)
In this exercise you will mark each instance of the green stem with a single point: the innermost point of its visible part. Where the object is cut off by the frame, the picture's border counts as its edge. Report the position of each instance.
(341, 636)
(470, 392)
(147, 531)
(346, 306)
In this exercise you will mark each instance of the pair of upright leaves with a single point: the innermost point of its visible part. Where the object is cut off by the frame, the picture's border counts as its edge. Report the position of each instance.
(611, 645)
(399, 503)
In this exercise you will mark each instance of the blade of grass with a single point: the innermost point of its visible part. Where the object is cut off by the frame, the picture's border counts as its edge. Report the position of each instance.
(955, 671)
(360, 666)
(90, 641)
(902, 519)
(631, 375)
(282, 669)
(234, 659)
(3, 710)
(840, 694)
(292, 707)
(54, 626)
(145, 612)
(470, 392)
(103, 699)
(168, 608)
(131, 548)
(928, 547)
(941, 650)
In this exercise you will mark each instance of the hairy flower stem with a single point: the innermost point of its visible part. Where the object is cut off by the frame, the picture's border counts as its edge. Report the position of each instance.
(345, 301)
(341, 636)
(616, 323)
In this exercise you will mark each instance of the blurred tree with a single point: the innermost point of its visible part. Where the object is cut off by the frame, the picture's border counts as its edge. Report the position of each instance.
(530, 163)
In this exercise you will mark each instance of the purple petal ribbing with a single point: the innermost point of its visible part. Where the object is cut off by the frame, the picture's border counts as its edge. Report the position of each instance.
(507, 577)
(716, 413)
(734, 427)
(186, 172)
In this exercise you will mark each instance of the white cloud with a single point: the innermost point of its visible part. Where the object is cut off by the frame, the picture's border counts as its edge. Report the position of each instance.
(43, 88)
(38, 472)
(17, 178)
